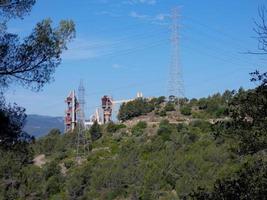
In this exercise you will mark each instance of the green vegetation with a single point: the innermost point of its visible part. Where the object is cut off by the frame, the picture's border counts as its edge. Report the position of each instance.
(138, 129)
(135, 108)
(212, 107)
(198, 160)
(95, 131)
(186, 110)
(169, 107)
(113, 128)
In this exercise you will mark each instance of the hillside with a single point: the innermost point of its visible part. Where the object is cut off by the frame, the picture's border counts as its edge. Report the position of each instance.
(38, 125)
(208, 148)
(150, 155)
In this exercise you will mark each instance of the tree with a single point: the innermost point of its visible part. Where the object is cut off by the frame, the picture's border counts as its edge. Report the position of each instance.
(95, 131)
(12, 120)
(247, 183)
(186, 110)
(33, 61)
(248, 124)
(261, 31)
(30, 62)
(248, 109)
(135, 108)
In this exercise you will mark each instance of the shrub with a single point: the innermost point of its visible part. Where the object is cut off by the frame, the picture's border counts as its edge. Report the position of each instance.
(162, 113)
(160, 100)
(138, 129)
(165, 130)
(69, 163)
(95, 131)
(202, 124)
(135, 108)
(186, 110)
(169, 107)
(113, 128)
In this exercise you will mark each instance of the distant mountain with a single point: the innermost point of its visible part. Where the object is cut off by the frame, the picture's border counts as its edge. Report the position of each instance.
(38, 125)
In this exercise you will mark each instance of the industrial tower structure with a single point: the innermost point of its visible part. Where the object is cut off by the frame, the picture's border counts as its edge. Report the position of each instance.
(107, 104)
(71, 112)
(176, 85)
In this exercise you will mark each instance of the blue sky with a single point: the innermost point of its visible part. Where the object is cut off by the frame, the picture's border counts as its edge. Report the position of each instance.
(123, 46)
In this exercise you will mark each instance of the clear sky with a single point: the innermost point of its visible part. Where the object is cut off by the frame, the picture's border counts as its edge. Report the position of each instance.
(123, 46)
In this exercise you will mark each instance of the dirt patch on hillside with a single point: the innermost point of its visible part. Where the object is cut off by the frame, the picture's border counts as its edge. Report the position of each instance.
(39, 160)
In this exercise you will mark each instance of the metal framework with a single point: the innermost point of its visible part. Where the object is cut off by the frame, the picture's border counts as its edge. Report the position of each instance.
(82, 140)
(176, 85)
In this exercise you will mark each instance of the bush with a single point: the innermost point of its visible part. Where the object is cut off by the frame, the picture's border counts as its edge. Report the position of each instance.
(138, 129)
(186, 110)
(199, 115)
(169, 107)
(165, 130)
(160, 100)
(95, 131)
(135, 108)
(69, 163)
(248, 183)
(202, 124)
(162, 113)
(113, 128)
(49, 144)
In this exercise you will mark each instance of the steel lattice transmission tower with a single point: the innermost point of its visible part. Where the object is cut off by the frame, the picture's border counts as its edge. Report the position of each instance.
(175, 84)
(82, 140)
(81, 100)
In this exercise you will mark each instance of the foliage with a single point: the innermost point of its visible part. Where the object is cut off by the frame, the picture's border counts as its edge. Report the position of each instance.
(179, 161)
(169, 107)
(12, 120)
(135, 108)
(32, 62)
(113, 128)
(249, 123)
(186, 110)
(165, 130)
(138, 129)
(14, 9)
(261, 31)
(248, 183)
(158, 101)
(95, 131)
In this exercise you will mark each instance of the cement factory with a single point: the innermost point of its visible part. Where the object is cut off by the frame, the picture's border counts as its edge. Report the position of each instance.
(74, 112)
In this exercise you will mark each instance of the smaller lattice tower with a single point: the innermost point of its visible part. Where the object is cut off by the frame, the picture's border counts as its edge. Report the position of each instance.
(82, 138)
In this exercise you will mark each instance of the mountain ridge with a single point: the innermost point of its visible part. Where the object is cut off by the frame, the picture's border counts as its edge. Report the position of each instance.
(40, 125)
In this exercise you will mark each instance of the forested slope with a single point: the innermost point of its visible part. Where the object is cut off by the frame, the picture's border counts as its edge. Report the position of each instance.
(195, 160)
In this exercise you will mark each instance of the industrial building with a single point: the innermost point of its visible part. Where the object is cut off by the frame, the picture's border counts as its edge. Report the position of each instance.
(102, 116)
(71, 111)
